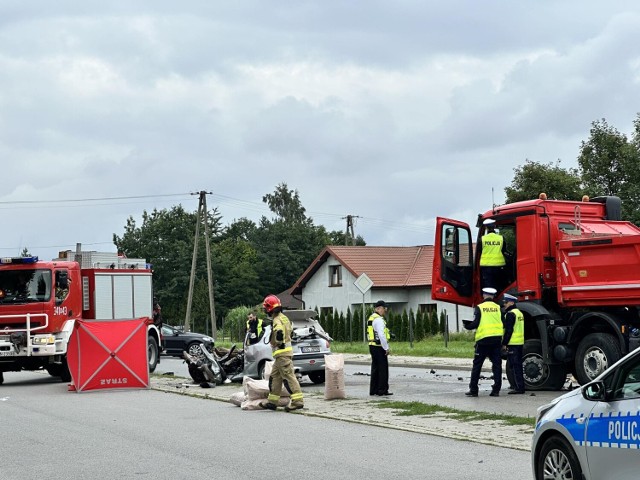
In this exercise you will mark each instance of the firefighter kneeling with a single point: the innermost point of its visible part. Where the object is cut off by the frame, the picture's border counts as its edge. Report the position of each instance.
(282, 371)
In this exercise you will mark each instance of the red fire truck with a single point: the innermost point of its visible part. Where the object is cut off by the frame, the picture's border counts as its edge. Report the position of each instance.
(575, 268)
(41, 300)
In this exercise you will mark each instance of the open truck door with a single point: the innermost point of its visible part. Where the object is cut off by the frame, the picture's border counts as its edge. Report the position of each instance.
(452, 276)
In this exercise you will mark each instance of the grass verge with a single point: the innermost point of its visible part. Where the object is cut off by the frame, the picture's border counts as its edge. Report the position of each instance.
(459, 345)
(419, 408)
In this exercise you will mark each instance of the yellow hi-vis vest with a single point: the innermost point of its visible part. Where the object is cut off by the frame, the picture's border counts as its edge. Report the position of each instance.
(490, 321)
(517, 337)
(284, 348)
(372, 335)
(258, 327)
(491, 255)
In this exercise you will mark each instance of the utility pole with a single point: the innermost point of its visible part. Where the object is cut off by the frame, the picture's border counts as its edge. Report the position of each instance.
(201, 218)
(349, 229)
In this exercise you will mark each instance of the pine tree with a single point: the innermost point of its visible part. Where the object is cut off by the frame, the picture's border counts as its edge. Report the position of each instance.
(418, 331)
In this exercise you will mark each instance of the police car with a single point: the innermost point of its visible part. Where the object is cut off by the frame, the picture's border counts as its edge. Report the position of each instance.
(592, 433)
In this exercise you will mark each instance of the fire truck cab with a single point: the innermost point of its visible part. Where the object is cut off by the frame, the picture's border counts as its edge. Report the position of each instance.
(41, 300)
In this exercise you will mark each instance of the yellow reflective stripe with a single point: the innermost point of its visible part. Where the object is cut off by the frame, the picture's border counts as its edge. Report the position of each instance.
(296, 396)
(273, 398)
(282, 350)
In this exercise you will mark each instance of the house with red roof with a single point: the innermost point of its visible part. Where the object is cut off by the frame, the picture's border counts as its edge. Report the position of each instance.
(401, 277)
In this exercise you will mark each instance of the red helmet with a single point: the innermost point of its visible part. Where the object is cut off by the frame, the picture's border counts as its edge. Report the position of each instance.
(271, 302)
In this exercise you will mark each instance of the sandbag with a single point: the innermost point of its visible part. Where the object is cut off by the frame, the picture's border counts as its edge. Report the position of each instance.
(255, 389)
(334, 377)
(259, 389)
(237, 398)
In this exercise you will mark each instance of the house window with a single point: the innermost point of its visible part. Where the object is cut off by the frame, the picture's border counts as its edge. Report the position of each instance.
(335, 275)
(326, 311)
(427, 307)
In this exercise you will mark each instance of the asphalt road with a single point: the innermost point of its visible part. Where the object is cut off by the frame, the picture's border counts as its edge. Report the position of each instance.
(441, 386)
(52, 433)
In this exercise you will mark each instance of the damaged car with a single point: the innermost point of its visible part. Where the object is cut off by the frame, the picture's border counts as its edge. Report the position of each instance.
(309, 341)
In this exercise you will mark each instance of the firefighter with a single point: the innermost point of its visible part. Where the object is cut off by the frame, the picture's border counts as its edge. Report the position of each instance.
(492, 259)
(513, 341)
(487, 319)
(282, 372)
(254, 328)
(378, 336)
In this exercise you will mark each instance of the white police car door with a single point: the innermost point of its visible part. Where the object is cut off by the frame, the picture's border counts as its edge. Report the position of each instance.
(613, 428)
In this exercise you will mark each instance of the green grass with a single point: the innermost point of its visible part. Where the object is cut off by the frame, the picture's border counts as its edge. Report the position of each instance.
(460, 345)
(418, 408)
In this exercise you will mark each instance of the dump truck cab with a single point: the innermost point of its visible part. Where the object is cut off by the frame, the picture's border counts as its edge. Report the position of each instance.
(575, 268)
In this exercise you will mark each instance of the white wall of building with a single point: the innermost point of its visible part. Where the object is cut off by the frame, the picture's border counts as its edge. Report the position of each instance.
(318, 293)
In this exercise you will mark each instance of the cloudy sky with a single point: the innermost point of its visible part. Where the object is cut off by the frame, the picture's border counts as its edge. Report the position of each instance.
(393, 111)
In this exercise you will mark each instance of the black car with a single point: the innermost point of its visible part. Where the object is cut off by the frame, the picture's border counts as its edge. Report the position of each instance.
(175, 341)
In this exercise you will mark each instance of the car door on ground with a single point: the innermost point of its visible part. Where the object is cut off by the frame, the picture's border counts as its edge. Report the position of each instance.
(613, 428)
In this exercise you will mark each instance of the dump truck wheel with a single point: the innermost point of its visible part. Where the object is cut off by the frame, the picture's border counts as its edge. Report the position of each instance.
(537, 374)
(596, 352)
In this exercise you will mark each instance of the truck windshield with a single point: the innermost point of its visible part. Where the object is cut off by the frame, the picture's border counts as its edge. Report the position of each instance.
(25, 286)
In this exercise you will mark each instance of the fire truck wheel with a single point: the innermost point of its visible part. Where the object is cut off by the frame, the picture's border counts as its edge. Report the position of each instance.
(537, 374)
(596, 352)
(59, 370)
(152, 353)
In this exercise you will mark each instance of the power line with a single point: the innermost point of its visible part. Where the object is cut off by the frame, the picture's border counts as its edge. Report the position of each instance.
(76, 200)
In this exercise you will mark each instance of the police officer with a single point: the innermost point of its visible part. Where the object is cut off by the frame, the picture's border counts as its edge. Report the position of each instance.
(513, 341)
(492, 259)
(487, 321)
(254, 329)
(378, 337)
(282, 372)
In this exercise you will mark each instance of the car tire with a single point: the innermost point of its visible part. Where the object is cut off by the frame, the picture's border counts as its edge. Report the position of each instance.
(152, 354)
(196, 374)
(261, 371)
(316, 377)
(596, 352)
(557, 455)
(194, 349)
(537, 374)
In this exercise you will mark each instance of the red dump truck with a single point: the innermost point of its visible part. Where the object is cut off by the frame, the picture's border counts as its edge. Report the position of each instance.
(41, 300)
(575, 268)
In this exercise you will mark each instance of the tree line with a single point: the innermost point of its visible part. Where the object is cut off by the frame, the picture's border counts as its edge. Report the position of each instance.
(608, 164)
(249, 260)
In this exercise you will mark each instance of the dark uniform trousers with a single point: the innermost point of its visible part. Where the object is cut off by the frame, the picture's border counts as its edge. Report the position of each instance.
(487, 348)
(379, 370)
(514, 363)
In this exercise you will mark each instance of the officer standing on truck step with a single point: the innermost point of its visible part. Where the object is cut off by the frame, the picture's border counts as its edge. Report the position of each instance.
(487, 320)
(513, 341)
(492, 259)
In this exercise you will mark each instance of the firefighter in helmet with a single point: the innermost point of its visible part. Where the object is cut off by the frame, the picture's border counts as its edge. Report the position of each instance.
(282, 372)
